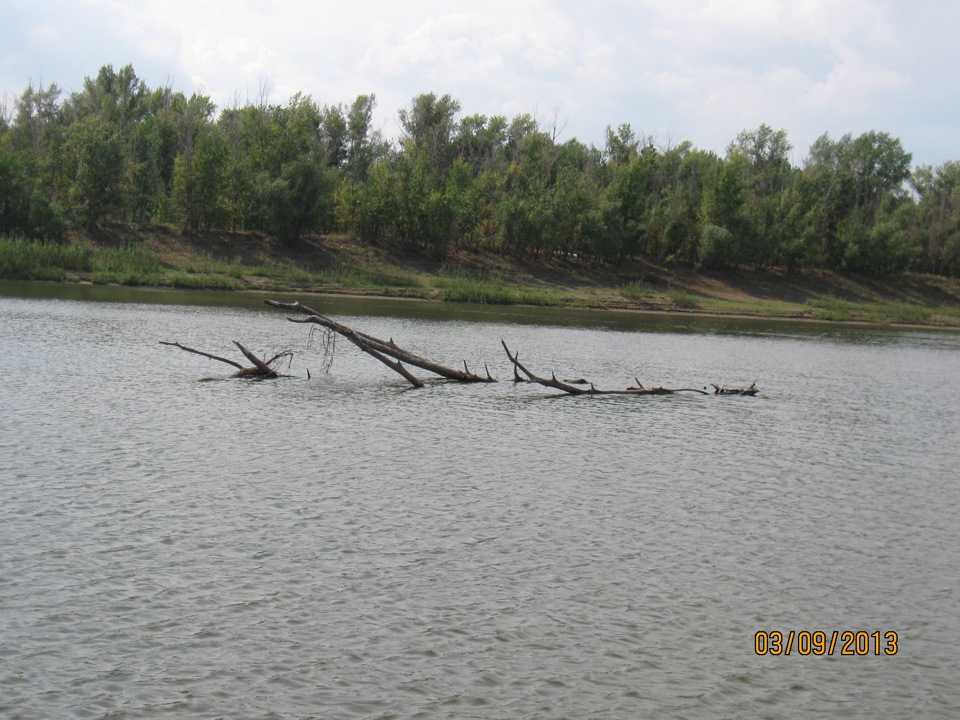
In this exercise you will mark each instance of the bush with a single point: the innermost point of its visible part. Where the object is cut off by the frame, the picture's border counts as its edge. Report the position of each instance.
(717, 248)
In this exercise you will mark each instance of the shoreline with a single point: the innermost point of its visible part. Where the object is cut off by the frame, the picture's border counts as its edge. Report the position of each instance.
(164, 257)
(679, 312)
(633, 309)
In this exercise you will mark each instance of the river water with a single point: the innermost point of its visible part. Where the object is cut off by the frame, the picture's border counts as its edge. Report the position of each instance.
(349, 547)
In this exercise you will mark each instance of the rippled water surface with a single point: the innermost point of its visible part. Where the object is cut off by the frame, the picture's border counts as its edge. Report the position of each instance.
(346, 547)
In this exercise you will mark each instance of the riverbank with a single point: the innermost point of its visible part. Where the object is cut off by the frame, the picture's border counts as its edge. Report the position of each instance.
(159, 255)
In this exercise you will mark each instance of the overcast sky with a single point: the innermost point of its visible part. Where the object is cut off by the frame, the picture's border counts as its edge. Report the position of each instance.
(698, 70)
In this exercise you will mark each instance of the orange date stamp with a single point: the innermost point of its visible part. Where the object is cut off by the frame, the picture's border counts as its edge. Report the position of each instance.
(829, 642)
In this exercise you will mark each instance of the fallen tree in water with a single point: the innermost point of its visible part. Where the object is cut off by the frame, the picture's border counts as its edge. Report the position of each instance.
(386, 351)
(262, 369)
(397, 359)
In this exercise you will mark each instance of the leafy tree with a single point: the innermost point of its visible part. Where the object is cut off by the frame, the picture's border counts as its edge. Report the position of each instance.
(198, 179)
(717, 247)
(763, 157)
(364, 144)
(299, 199)
(622, 145)
(429, 125)
(332, 136)
(119, 150)
(36, 141)
(480, 141)
(96, 150)
(14, 204)
(850, 178)
(938, 216)
(724, 236)
(629, 199)
(150, 167)
(683, 173)
(298, 127)
(371, 209)
(199, 164)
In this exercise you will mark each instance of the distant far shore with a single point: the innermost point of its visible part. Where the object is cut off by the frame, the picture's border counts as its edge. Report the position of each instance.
(162, 255)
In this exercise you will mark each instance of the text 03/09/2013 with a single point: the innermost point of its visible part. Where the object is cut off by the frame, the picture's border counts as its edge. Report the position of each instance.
(830, 642)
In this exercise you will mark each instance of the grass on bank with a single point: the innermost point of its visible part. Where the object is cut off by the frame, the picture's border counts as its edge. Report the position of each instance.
(22, 259)
(683, 299)
(636, 290)
(342, 275)
(831, 308)
(485, 288)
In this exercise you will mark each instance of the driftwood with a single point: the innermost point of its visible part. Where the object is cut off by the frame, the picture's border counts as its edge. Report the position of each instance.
(386, 351)
(261, 368)
(572, 389)
(721, 390)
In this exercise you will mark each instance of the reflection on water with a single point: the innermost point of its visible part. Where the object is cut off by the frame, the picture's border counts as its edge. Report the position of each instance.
(348, 547)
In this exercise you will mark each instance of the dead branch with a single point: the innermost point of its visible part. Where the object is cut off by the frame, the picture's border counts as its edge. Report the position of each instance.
(328, 343)
(552, 382)
(571, 389)
(259, 364)
(380, 349)
(260, 369)
(205, 354)
(394, 365)
(721, 390)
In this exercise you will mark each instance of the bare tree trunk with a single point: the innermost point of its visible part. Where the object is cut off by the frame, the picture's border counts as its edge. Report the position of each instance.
(381, 349)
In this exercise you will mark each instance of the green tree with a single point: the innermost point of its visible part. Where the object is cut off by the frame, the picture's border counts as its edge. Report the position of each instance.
(198, 181)
(151, 165)
(938, 216)
(429, 125)
(724, 234)
(627, 204)
(847, 180)
(683, 173)
(36, 141)
(333, 136)
(371, 209)
(301, 199)
(364, 144)
(97, 156)
(14, 204)
(622, 145)
(480, 142)
(198, 168)
(118, 100)
(763, 157)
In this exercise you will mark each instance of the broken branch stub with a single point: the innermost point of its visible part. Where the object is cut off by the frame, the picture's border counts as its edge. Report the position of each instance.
(382, 350)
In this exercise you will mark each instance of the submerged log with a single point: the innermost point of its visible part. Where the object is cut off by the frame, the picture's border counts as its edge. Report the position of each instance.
(721, 390)
(386, 351)
(571, 389)
(261, 368)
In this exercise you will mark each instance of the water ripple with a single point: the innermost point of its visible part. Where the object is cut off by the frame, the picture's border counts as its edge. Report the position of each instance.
(345, 547)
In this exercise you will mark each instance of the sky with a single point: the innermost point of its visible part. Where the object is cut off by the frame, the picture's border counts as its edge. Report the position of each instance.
(675, 70)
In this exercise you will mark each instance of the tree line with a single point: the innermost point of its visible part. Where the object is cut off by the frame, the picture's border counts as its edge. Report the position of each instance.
(118, 150)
